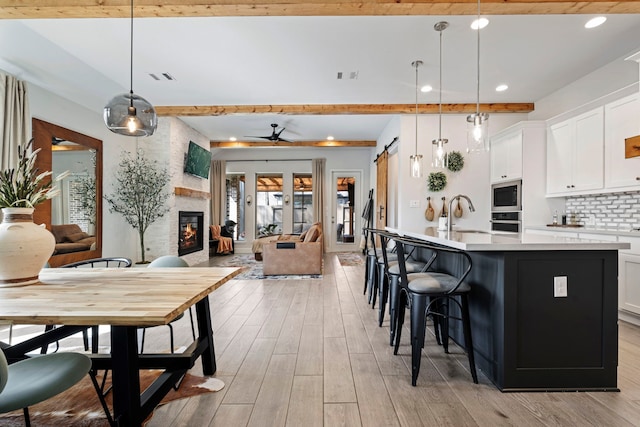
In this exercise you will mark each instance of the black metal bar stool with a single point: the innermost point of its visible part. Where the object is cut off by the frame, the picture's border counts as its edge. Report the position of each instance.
(370, 271)
(388, 279)
(375, 266)
(429, 294)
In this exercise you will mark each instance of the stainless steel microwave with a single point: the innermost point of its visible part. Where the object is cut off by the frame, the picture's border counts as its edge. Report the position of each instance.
(506, 196)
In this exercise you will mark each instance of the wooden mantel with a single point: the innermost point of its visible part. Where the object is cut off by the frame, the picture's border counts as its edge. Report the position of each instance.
(188, 192)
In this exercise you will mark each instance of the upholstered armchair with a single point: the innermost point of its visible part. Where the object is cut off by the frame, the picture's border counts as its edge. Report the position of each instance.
(220, 243)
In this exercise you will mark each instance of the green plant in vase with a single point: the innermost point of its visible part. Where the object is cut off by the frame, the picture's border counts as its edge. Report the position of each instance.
(24, 246)
(24, 186)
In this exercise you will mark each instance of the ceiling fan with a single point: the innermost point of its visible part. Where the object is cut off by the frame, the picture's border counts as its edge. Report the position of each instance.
(275, 135)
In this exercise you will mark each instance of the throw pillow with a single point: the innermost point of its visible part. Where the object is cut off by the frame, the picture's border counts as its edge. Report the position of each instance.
(73, 238)
(312, 234)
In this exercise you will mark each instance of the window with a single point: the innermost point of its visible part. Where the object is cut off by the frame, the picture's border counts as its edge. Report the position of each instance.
(302, 202)
(268, 204)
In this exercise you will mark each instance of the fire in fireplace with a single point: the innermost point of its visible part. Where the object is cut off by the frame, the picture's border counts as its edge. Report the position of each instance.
(190, 232)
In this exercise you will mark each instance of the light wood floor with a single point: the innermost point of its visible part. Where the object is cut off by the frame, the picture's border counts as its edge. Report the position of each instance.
(310, 353)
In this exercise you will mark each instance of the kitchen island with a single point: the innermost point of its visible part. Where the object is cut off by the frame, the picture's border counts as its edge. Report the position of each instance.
(543, 309)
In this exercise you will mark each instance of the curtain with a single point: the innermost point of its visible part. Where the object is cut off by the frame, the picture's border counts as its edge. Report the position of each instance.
(318, 175)
(14, 119)
(218, 191)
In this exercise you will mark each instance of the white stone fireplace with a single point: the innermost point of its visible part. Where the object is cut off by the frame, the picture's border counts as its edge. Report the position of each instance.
(189, 194)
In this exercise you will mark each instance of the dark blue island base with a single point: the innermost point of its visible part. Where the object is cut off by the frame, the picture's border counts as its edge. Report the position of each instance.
(527, 339)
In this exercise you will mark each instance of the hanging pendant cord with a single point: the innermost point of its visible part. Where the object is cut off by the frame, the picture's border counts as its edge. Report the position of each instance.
(478, 63)
(440, 96)
(131, 57)
(416, 144)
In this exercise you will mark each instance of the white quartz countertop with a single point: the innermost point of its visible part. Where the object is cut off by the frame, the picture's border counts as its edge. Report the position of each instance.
(474, 240)
(588, 230)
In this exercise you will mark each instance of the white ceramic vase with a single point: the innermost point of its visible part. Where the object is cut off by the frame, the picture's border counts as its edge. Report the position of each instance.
(24, 247)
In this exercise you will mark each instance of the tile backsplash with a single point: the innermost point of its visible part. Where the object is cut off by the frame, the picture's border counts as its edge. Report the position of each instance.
(619, 210)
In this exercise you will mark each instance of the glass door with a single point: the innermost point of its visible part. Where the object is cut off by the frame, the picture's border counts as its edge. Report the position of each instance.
(345, 218)
(268, 204)
(302, 202)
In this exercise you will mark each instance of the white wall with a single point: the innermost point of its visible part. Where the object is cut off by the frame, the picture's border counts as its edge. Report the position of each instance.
(616, 79)
(261, 160)
(609, 83)
(473, 180)
(118, 238)
(168, 146)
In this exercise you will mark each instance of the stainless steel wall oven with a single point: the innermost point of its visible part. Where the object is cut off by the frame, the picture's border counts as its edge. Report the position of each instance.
(506, 221)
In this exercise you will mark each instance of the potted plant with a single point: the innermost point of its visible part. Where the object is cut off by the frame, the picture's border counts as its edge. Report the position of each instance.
(139, 193)
(24, 246)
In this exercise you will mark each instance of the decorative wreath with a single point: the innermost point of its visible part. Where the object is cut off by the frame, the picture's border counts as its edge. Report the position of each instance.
(437, 181)
(455, 161)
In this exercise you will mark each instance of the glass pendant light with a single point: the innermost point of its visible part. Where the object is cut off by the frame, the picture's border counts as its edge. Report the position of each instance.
(416, 159)
(478, 123)
(130, 114)
(438, 154)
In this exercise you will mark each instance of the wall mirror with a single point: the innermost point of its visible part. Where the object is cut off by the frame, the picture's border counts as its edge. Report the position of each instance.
(75, 215)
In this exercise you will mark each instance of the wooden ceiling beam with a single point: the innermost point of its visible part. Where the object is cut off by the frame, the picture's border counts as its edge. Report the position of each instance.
(40, 9)
(254, 144)
(339, 109)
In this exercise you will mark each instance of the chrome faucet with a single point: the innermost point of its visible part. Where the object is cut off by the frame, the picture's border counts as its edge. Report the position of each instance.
(471, 209)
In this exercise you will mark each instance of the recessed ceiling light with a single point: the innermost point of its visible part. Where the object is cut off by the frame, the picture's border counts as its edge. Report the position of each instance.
(426, 88)
(479, 23)
(501, 88)
(233, 138)
(330, 138)
(595, 22)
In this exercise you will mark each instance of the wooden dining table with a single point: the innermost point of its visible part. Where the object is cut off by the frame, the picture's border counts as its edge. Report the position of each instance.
(125, 299)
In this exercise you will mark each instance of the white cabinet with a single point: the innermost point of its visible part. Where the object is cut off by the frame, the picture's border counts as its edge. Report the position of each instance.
(622, 120)
(506, 157)
(560, 148)
(629, 276)
(629, 282)
(575, 154)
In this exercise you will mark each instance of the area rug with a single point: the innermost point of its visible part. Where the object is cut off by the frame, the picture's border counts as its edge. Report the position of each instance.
(79, 406)
(252, 269)
(349, 259)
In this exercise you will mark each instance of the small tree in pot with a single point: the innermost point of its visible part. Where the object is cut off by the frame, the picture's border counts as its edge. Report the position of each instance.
(139, 193)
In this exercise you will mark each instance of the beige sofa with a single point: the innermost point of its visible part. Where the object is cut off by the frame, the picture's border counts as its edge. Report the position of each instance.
(297, 255)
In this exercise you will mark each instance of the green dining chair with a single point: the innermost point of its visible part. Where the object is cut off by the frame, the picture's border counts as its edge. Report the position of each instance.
(39, 378)
(165, 262)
